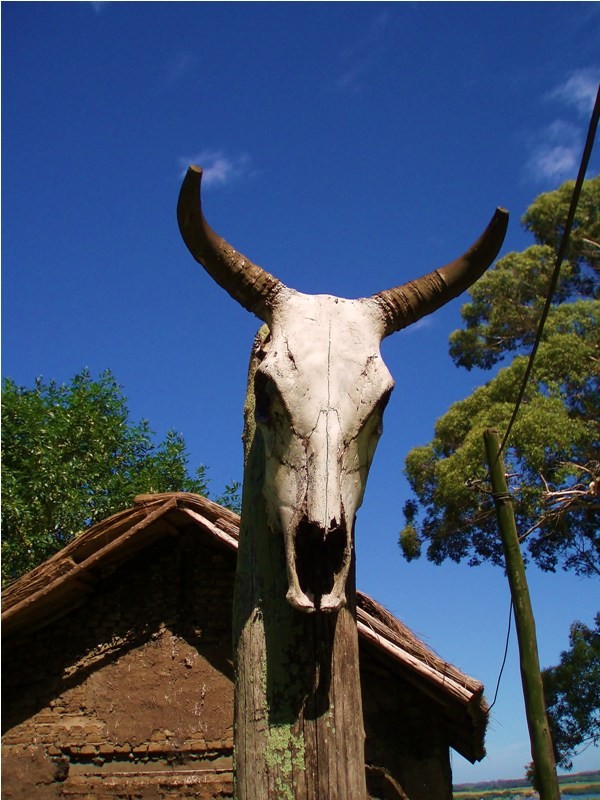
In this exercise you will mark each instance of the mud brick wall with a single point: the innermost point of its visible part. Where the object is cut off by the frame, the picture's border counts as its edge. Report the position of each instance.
(404, 735)
(130, 695)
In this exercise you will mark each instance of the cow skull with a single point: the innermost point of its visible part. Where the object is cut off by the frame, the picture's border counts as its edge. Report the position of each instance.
(320, 391)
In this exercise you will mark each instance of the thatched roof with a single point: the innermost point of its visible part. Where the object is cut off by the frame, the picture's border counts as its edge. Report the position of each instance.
(67, 578)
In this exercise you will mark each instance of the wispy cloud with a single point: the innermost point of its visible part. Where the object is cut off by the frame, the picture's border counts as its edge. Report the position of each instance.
(555, 150)
(219, 169)
(421, 324)
(358, 58)
(180, 65)
(579, 91)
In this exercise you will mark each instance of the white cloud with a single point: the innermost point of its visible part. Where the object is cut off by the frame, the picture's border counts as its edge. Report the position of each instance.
(419, 325)
(180, 65)
(555, 150)
(360, 57)
(219, 169)
(579, 90)
(554, 163)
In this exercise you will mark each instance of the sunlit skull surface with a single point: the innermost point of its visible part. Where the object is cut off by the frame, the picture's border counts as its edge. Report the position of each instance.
(320, 393)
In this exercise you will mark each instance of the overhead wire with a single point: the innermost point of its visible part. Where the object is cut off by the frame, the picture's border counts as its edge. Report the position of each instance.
(560, 255)
(507, 642)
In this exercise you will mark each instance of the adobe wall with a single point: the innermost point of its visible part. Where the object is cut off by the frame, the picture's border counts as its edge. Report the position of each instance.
(131, 695)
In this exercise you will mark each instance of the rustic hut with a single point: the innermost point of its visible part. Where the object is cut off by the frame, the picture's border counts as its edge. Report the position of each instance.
(118, 682)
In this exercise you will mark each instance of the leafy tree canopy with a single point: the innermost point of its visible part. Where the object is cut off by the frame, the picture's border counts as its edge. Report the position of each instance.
(572, 691)
(506, 303)
(71, 457)
(553, 455)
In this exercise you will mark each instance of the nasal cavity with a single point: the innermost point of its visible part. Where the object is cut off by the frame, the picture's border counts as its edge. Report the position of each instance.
(319, 557)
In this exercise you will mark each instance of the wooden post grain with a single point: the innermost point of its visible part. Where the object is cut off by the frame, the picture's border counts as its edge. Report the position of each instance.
(298, 713)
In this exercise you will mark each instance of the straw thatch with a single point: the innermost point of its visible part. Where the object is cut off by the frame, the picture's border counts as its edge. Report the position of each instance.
(67, 578)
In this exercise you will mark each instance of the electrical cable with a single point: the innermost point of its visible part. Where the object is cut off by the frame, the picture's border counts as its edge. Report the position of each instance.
(587, 151)
(510, 611)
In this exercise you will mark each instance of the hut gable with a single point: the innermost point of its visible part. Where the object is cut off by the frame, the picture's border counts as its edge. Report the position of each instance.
(118, 681)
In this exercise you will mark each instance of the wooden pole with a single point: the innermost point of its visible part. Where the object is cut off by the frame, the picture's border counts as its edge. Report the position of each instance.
(298, 724)
(533, 692)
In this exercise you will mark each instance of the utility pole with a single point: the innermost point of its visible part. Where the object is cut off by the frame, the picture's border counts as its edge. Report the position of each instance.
(533, 692)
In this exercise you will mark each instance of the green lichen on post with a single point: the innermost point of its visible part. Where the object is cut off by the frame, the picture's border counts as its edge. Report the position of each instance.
(284, 754)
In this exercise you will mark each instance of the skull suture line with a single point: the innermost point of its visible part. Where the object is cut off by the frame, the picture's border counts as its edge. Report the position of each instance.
(320, 392)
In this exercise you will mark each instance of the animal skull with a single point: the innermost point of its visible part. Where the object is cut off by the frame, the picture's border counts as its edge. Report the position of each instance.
(320, 392)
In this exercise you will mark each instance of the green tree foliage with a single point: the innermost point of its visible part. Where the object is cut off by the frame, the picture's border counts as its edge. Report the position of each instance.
(572, 691)
(507, 302)
(553, 455)
(71, 457)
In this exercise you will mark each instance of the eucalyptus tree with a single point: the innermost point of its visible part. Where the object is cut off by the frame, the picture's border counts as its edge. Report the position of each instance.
(553, 455)
(572, 690)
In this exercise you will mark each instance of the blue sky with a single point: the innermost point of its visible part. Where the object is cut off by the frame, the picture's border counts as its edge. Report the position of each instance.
(348, 147)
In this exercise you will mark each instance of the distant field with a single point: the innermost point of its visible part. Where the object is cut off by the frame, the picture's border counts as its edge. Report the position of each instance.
(587, 791)
(581, 785)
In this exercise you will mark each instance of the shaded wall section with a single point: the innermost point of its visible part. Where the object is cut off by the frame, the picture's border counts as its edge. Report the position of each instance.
(132, 693)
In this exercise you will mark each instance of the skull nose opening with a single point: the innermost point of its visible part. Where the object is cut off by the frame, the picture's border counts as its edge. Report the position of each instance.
(320, 557)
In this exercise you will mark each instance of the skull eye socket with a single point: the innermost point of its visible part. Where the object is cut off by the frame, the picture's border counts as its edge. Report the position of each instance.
(374, 422)
(265, 392)
(384, 400)
(379, 409)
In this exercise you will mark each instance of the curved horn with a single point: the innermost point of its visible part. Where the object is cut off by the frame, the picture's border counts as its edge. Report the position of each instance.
(406, 304)
(249, 284)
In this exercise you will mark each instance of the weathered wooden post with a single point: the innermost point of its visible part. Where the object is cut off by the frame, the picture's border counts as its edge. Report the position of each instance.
(298, 716)
(316, 394)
